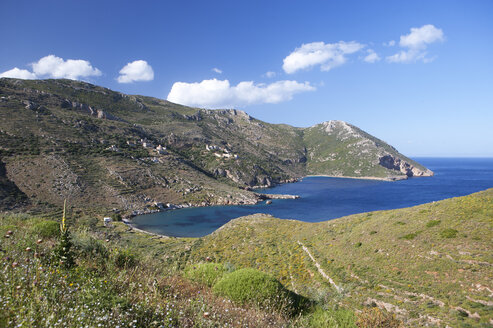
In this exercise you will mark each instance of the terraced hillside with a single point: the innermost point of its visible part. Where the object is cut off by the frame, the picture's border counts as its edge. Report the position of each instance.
(67, 139)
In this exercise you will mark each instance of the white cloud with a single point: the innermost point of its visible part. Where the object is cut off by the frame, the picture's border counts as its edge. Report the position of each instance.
(17, 73)
(217, 70)
(416, 43)
(52, 66)
(269, 74)
(420, 37)
(372, 56)
(58, 68)
(328, 55)
(220, 94)
(391, 43)
(138, 70)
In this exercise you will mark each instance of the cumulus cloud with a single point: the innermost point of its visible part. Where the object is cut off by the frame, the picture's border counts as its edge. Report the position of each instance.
(17, 73)
(327, 55)
(372, 56)
(270, 74)
(58, 68)
(391, 43)
(416, 43)
(220, 94)
(138, 70)
(217, 70)
(55, 67)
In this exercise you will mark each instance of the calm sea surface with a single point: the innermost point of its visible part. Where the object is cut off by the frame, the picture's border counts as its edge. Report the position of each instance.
(328, 198)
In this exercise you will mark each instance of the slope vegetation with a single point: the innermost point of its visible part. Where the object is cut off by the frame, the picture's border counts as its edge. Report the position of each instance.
(430, 264)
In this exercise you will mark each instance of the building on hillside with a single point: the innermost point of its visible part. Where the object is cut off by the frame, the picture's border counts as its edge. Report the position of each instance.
(107, 221)
(161, 150)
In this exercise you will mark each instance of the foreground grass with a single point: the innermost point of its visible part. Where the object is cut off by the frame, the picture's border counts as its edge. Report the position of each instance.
(109, 287)
(126, 279)
(426, 265)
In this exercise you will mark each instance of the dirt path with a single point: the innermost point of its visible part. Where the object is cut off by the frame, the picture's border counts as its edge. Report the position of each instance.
(319, 267)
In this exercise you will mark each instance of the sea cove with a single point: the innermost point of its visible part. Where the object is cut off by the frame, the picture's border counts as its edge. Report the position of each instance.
(324, 198)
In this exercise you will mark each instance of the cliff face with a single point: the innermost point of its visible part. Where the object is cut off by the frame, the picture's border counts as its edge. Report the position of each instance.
(63, 138)
(392, 163)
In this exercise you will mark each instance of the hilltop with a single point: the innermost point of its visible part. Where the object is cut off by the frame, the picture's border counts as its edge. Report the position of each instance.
(64, 139)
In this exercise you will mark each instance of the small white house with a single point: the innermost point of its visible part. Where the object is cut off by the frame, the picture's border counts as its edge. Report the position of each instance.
(113, 148)
(161, 150)
(106, 220)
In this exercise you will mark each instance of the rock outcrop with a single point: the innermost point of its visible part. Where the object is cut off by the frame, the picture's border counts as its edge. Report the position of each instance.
(397, 164)
(99, 113)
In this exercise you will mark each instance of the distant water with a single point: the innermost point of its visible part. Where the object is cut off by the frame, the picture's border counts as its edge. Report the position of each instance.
(325, 198)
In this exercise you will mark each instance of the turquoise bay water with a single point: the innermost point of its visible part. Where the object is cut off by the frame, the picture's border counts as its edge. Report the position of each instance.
(325, 198)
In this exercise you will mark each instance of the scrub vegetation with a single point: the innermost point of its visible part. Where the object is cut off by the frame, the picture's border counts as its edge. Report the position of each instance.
(256, 271)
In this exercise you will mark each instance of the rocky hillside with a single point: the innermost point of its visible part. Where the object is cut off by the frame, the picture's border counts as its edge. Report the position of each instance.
(68, 139)
(337, 148)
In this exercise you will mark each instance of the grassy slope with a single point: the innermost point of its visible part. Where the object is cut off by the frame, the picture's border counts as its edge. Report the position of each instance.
(396, 259)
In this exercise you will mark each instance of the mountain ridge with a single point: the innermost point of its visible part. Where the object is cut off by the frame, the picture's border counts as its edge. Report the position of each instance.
(70, 139)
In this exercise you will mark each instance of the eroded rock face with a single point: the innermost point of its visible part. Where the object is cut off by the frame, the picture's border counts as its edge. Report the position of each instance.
(393, 163)
(99, 113)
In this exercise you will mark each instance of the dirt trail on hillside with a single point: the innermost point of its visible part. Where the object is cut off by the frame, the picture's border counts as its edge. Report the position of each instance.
(319, 267)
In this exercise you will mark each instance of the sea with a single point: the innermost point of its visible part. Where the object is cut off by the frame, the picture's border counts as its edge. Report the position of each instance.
(324, 198)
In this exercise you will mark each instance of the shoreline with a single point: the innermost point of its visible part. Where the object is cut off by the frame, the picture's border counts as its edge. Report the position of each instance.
(396, 178)
(260, 197)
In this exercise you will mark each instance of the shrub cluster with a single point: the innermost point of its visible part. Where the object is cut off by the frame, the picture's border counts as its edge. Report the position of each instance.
(251, 286)
(47, 229)
(205, 273)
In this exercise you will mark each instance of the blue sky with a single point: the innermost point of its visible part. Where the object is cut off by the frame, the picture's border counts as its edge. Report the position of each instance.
(427, 87)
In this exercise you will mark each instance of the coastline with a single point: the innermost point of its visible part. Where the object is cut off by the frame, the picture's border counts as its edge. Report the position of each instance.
(132, 228)
(395, 178)
(259, 198)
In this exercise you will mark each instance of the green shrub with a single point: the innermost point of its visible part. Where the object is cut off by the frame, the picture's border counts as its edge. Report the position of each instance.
(340, 318)
(89, 246)
(117, 217)
(449, 233)
(124, 259)
(433, 223)
(205, 273)
(410, 236)
(257, 288)
(47, 229)
(63, 251)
